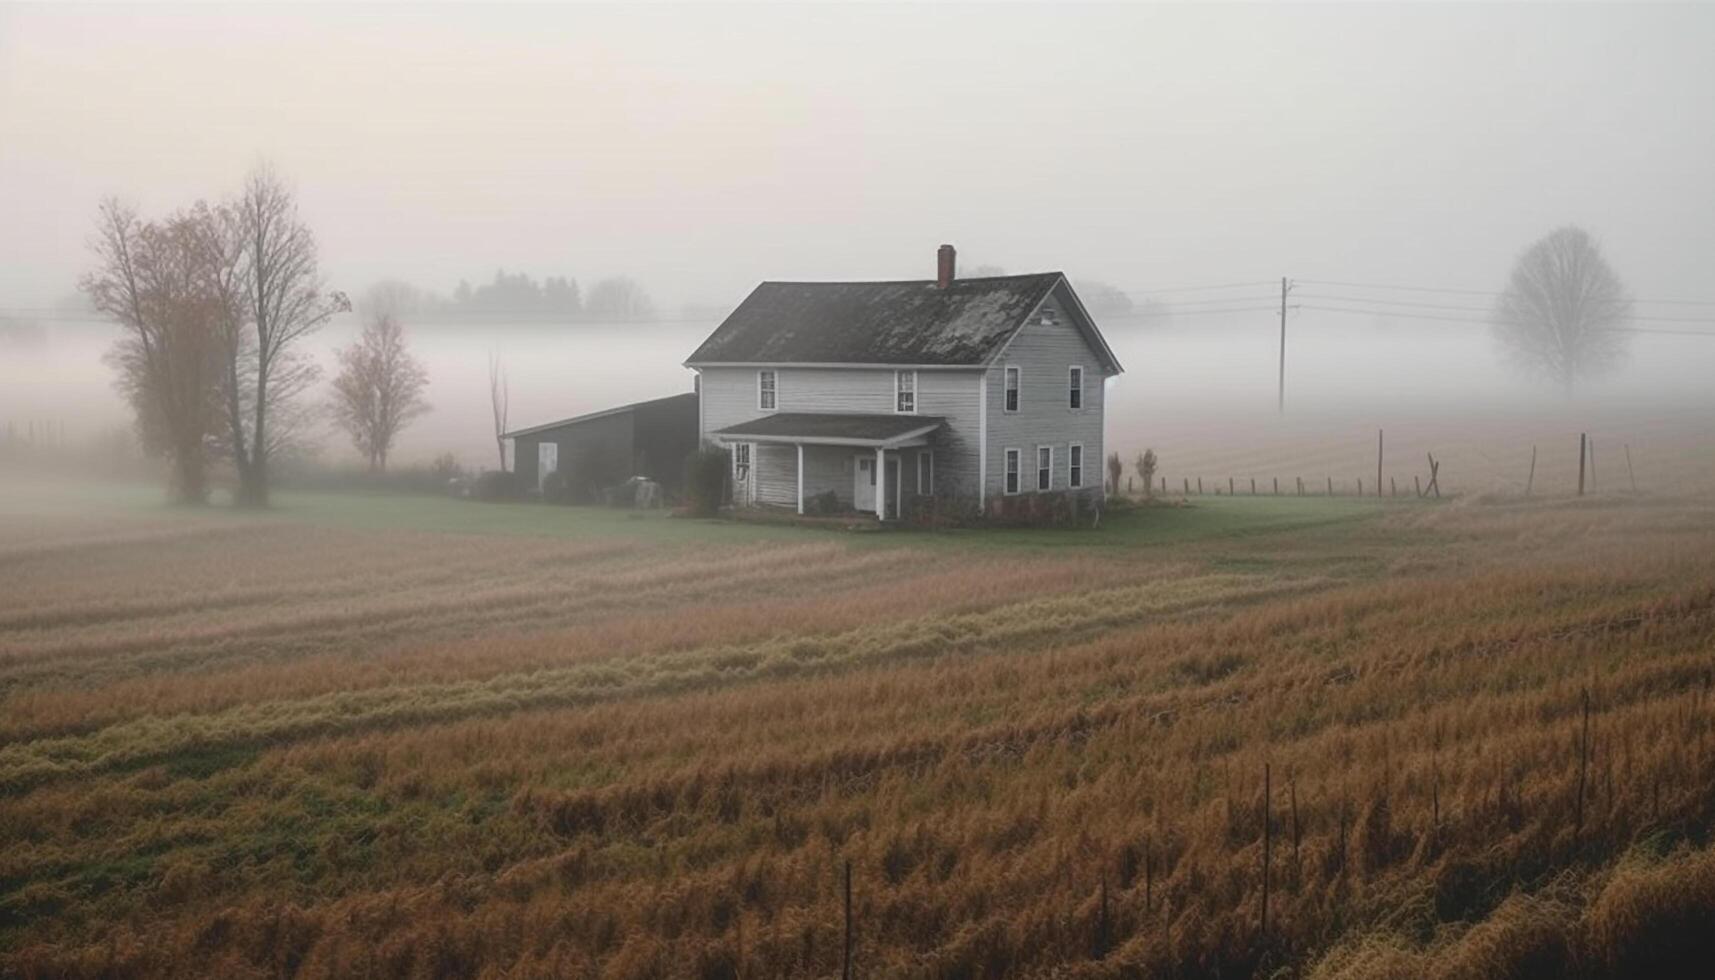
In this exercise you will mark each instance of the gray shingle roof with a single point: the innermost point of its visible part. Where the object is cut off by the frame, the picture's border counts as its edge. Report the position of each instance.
(812, 426)
(689, 396)
(875, 322)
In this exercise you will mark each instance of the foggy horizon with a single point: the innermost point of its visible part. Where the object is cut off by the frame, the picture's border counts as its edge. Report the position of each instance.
(700, 149)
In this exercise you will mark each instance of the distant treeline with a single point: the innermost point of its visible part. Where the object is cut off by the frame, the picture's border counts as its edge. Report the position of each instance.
(516, 294)
(621, 298)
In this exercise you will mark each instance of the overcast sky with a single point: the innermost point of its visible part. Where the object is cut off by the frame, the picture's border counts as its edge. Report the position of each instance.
(703, 148)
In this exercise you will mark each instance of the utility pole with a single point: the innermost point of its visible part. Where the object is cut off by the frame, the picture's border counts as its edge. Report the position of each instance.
(1284, 289)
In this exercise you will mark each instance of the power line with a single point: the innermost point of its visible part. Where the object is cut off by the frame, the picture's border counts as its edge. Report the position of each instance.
(1481, 309)
(1395, 302)
(1393, 287)
(1476, 292)
(1175, 304)
(1201, 289)
(1482, 323)
(1171, 314)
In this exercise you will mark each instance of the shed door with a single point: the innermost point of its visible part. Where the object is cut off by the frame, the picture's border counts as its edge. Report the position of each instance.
(547, 462)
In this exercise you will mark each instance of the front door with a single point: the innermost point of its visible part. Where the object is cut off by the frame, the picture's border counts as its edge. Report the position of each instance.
(863, 484)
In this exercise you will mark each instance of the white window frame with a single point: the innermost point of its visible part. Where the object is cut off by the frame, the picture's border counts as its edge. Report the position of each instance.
(772, 391)
(1040, 469)
(1013, 458)
(1012, 371)
(900, 393)
(742, 455)
(1075, 466)
(1075, 387)
(926, 472)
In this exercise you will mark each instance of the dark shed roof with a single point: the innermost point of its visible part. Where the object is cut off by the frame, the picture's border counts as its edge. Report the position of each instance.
(875, 322)
(688, 396)
(813, 426)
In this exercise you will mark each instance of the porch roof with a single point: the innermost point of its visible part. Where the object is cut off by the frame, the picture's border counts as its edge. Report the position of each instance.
(833, 429)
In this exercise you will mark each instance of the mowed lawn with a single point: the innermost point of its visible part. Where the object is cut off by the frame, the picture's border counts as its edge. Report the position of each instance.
(401, 736)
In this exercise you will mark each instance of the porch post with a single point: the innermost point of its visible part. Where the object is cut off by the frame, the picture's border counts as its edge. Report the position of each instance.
(880, 484)
(899, 486)
(800, 478)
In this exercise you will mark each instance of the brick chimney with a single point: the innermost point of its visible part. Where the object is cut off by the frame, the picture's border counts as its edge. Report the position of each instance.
(944, 267)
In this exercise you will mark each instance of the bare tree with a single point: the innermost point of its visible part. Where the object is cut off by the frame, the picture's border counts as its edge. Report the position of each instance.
(379, 389)
(1564, 309)
(1145, 466)
(499, 400)
(284, 303)
(152, 279)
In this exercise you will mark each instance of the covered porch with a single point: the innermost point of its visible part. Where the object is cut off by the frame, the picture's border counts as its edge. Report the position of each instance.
(868, 462)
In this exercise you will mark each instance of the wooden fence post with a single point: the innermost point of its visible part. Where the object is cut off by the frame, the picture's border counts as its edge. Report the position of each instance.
(1330, 486)
(1253, 486)
(1229, 486)
(1629, 472)
(1301, 486)
(1530, 481)
(1583, 763)
(1148, 875)
(1267, 844)
(1393, 486)
(1419, 481)
(1164, 486)
(1102, 921)
(1187, 486)
(846, 962)
(1583, 444)
(1199, 486)
(1378, 462)
(1277, 486)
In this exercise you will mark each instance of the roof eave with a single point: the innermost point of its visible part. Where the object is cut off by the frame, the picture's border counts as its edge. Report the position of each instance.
(1095, 332)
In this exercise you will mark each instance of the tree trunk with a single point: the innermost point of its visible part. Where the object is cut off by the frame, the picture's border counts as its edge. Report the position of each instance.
(190, 482)
(253, 485)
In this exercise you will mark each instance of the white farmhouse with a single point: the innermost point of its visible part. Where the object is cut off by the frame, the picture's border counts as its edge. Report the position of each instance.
(964, 390)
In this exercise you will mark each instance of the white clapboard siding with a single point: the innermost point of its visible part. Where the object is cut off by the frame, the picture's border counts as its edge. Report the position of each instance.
(1044, 350)
(729, 397)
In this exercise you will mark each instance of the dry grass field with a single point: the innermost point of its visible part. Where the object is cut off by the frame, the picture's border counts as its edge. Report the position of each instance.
(339, 741)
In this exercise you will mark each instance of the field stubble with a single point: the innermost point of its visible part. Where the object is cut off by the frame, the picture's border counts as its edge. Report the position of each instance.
(276, 749)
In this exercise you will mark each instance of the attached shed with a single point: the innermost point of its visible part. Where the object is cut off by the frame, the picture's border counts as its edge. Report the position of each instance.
(603, 449)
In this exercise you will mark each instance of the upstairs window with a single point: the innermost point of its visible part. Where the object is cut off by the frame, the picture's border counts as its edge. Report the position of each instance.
(1012, 471)
(1044, 467)
(905, 391)
(1075, 465)
(766, 394)
(1010, 402)
(1075, 383)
